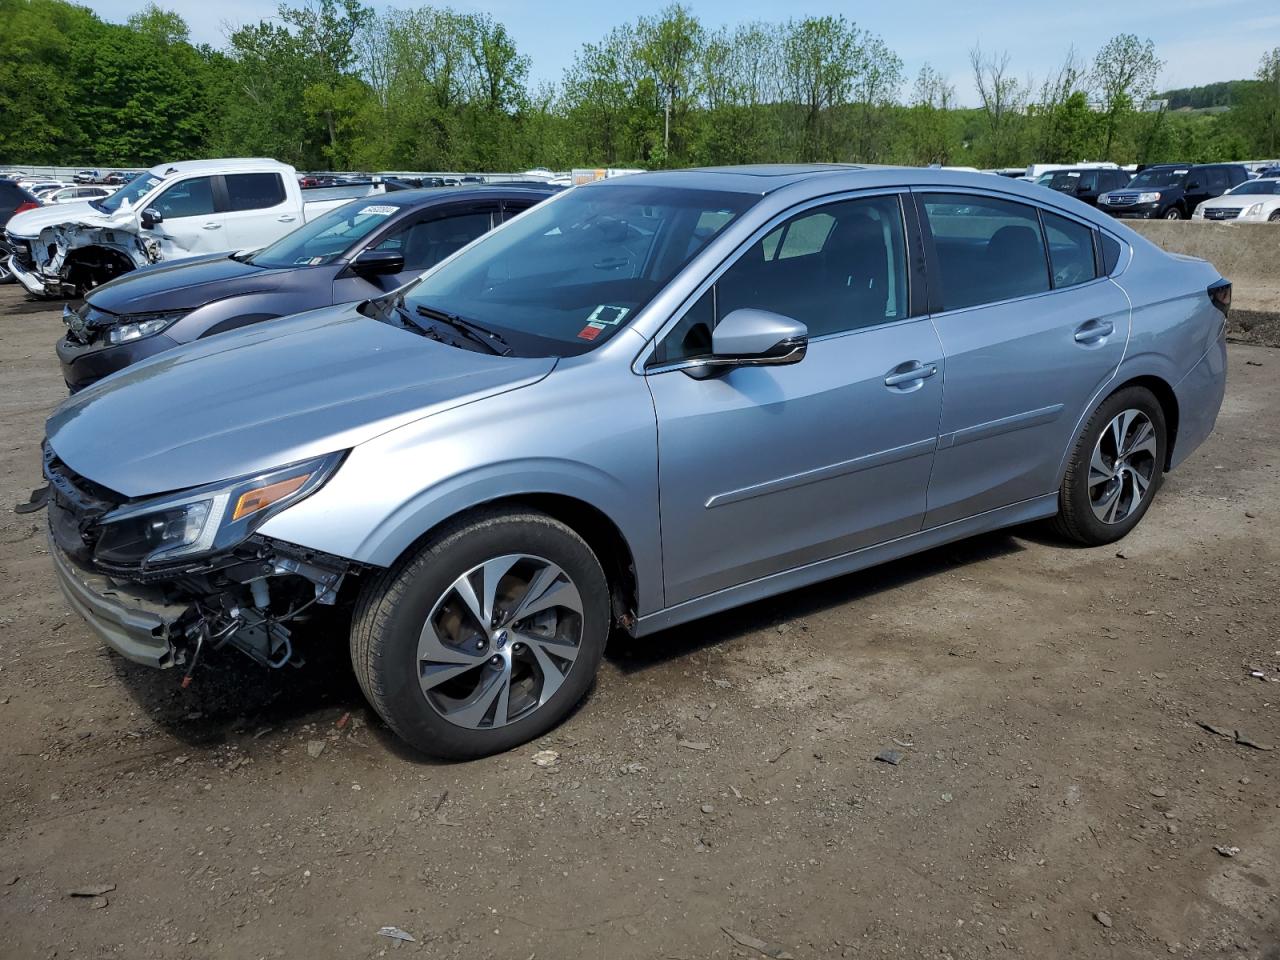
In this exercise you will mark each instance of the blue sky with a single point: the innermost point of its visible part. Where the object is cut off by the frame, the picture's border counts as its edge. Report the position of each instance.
(1201, 41)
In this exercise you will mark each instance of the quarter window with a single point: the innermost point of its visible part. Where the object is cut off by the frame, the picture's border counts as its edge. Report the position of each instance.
(1070, 250)
(254, 191)
(835, 269)
(190, 198)
(987, 249)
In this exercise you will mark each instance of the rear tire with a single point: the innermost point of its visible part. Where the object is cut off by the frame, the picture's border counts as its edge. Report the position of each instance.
(1173, 213)
(1115, 469)
(485, 637)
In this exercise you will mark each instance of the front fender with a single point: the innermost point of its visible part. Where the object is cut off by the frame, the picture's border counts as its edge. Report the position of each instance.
(574, 434)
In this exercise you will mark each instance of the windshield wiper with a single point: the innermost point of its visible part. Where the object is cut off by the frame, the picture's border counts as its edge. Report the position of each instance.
(471, 330)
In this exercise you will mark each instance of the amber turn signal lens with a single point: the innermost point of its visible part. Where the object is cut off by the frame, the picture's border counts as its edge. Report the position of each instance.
(256, 500)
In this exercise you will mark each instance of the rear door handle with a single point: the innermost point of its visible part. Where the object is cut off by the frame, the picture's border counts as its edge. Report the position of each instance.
(1094, 330)
(915, 371)
(213, 226)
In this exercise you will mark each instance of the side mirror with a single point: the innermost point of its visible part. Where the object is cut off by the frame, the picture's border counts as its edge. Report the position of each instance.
(151, 217)
(377, 263)
(753, 338)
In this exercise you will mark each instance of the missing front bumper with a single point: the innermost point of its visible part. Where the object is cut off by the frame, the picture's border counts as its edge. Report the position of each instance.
(137, 628)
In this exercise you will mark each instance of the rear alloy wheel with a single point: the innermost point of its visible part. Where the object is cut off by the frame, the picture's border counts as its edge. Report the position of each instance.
(1173, 213)
(1115, 469)
(486, 637)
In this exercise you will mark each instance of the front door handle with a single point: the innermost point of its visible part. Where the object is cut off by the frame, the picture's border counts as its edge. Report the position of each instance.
(213, 226)
(910, 372)
(287, 218)
(1094, 330)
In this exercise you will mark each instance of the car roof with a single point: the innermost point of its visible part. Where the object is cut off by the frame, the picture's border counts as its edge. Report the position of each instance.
(429, 196)
(749, 178)
(218, 166)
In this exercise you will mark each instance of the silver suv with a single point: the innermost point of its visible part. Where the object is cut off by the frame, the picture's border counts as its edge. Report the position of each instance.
(643, 401)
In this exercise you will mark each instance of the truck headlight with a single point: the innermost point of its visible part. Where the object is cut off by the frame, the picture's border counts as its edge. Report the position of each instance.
(208, 519)
(142, 325)
(1149, 198)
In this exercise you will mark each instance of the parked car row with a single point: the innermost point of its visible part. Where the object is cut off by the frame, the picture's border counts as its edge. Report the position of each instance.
(640, 401)
(175, 211)
(1165, 191)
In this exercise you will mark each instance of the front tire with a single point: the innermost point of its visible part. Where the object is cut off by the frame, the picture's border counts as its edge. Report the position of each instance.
(1114, 470)
(485, 637)
(1275, 217)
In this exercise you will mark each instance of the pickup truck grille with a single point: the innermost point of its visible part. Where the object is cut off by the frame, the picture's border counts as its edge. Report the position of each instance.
(21, 251)
(1122, 199)
(1222, 213)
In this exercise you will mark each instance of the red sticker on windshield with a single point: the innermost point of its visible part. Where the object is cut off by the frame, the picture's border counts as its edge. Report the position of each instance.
(589, 332)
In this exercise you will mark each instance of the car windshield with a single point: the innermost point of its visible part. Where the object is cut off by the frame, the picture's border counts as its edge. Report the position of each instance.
(1257, 186)
(1160, 177)
(574, 271)
(325, 238)
(132, 192)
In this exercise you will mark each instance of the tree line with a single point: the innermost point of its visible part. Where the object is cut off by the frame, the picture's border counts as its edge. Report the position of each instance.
(332, 84)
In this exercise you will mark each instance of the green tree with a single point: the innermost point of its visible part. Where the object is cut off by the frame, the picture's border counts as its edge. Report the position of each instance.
(1124, 73)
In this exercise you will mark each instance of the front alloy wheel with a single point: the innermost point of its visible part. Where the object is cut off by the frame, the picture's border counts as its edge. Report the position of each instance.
(486, 636)
(500, 642)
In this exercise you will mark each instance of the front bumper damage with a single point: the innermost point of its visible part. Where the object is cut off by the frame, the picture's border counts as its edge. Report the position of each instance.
(248, 598)
(43, 264)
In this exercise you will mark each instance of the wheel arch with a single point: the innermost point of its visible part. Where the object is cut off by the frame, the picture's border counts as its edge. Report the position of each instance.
(96, 257)
(1162, 390)
(588, 521)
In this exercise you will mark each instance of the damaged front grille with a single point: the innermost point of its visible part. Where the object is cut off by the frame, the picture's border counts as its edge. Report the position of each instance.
(86, 322)
(76, 505)
(21, 251)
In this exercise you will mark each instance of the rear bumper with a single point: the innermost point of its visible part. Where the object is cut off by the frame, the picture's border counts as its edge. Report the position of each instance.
(138, 629)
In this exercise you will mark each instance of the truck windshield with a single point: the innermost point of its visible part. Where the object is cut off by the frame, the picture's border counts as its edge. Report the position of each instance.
(575, 270)
(133, 192)
(325, 238)
(1160, 177)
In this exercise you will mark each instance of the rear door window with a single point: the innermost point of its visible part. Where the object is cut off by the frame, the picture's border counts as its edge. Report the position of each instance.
(254, 191)
(986, 249)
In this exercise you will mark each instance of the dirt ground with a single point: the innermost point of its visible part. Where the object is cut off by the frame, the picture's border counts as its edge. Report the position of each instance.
(1055, 796)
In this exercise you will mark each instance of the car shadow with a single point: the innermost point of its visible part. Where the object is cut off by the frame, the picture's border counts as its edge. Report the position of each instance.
(631, 655)
(232, 698)
(230, 695)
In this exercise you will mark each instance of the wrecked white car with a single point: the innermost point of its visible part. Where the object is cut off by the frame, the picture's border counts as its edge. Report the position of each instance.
(171, 212)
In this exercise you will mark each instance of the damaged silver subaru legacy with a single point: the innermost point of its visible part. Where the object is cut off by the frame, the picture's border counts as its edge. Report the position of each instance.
(642, 401)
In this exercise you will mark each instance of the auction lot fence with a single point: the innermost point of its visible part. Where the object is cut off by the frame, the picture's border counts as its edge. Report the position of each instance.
(66, 173)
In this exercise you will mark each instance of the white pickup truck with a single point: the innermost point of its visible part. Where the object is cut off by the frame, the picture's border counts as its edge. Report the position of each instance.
(172, 211)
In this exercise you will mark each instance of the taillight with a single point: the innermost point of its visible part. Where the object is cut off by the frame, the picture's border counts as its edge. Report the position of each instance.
(1220, 294)
(27, 205)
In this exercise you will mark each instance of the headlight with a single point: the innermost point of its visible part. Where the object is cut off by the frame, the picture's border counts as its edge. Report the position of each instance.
(1148, 198)
(208, 519)
(1198, 213)
(142, 326)
(1252, 210)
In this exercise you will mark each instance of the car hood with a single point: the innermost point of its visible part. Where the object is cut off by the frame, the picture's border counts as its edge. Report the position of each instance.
(1242, 200)
(31, 222)
(268, 395)
(181, 285)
